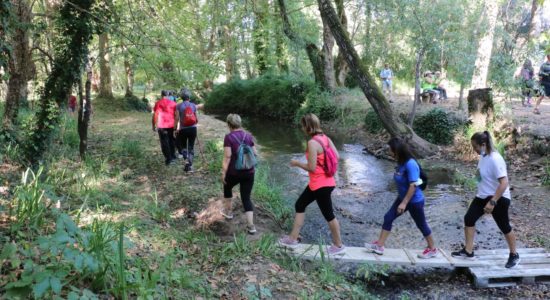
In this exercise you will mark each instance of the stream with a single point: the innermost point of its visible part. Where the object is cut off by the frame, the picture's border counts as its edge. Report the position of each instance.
(365, 190)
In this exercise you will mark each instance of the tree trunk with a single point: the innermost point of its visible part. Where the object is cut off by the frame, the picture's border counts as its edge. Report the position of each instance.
(84, 111)
(246, 57)
(481, 108)
(534, 7)
(230, 59)
(417, 100)
(20, 64)
(105, 85)
(328, 60)
(394, 126)
(461, 96)
(485, 48)
(129, 84)
(260, 36)
(340, 66)
(313, 52)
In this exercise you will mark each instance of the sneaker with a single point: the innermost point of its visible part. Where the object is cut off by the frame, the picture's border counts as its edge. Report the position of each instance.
(180, 156)
(463, 254)
(334, 250)
(513, 260)
(251, 229)
(227, 216)
(188, 168)
(374, 247)
(287, 241)
(428, 253)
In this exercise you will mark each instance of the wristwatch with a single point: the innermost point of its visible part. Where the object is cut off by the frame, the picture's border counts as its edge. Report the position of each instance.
(493, 202)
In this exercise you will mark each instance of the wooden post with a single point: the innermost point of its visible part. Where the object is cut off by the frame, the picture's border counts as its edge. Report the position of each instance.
(481, 108)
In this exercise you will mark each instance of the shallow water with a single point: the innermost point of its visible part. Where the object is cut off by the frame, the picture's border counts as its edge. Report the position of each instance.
(364, 192)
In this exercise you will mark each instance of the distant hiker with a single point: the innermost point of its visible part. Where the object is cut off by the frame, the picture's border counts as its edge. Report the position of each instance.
(387, 76)
(527, 81)
(493, 197)
(410, 198)
(72, 103)
(544, 76)
(164, 122)
(320, 153)
(439, 82)
(235, 145)
(187, 129)
(428, 86)
(172, 96)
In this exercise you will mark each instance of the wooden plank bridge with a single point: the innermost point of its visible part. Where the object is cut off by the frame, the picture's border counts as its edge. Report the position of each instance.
(487, 268)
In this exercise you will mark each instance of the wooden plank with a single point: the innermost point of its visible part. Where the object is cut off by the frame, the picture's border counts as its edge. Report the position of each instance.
(482, 252)
(411, 257)
(447, 256)
(355, 254)
(518, 271)
(438, 261)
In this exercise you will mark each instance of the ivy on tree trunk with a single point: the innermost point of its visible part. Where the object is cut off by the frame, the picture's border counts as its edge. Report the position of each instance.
(75, 25)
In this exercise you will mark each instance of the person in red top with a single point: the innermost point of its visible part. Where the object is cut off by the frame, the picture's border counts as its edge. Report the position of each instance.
(165, 122)
(319, 189)
(72, 103)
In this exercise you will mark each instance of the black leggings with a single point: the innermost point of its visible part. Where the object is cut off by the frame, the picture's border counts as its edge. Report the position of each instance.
(322, 195)
(245, 182)
(500, 213)
(185, 142)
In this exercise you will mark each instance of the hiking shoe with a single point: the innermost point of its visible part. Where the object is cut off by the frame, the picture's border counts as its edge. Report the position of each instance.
(188, 168)
(513, 260)
(251, 229)
(287, 241)
(374, 247)
(536, 111)
(227, 216)
(463, 254)
(428, 253)
(335, 250)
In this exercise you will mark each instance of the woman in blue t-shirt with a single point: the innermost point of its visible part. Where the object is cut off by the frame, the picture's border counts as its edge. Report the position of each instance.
(409, 198)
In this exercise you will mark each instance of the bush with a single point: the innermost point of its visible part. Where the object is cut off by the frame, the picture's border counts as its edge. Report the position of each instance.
(274, 97)
(437, 126)
(134, 103)
(320, 104)
(372, 122)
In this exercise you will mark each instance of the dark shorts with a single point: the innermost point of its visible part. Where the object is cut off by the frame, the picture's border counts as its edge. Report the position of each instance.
(545, 88)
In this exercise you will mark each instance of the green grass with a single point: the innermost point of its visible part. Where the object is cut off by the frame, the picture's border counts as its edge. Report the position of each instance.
(468, 183)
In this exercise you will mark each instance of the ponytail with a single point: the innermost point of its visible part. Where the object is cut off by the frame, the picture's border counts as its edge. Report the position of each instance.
(484, 137)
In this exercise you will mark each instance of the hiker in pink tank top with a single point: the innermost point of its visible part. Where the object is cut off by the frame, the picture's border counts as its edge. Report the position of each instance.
(320, 187)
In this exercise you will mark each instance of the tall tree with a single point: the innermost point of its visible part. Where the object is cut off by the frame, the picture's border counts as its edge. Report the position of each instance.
(485, 47)
(105, 83)
(393, 125)
(260, 35)
(313, 53)
(20, 64)
(340, 66)
(128, 73)
(328, 60)
(75, 23)
(84, 111)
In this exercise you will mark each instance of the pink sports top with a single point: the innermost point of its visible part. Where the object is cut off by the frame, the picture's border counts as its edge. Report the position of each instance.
(318, 178)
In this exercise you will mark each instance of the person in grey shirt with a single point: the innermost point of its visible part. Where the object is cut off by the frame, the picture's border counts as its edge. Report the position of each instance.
(387, 75)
